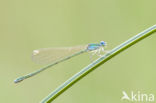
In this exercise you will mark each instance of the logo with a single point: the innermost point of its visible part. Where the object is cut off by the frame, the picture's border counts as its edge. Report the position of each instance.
(137, 97)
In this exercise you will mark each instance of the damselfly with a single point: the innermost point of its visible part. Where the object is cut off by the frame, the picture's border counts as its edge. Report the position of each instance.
(58, 55)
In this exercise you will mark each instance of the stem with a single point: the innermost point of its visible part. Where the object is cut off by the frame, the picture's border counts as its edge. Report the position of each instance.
(98, 62)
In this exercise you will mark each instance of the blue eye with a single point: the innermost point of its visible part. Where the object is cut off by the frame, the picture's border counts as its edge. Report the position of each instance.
(103, 43)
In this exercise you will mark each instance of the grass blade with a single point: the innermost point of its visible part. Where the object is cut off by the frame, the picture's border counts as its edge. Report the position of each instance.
(97, 63)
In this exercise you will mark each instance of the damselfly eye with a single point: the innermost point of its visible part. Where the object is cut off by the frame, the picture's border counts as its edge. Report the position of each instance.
(103, 43)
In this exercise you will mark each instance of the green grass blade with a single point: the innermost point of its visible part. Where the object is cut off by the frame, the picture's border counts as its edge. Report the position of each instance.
(98, 62)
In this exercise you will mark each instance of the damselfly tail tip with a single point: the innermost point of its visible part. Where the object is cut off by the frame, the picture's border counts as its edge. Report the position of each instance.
(18, 80)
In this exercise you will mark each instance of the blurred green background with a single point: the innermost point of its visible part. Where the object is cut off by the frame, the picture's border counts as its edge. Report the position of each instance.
(26, 25)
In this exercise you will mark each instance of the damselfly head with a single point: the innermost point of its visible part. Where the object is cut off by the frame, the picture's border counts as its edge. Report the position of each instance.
(103, 43)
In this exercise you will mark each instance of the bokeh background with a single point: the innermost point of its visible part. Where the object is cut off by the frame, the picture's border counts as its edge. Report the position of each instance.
(26, 25)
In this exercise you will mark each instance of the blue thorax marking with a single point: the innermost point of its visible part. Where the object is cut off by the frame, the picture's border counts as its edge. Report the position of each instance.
(93, 46)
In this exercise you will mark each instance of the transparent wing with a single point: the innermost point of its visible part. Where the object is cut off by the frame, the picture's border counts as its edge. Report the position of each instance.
(49, 55)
